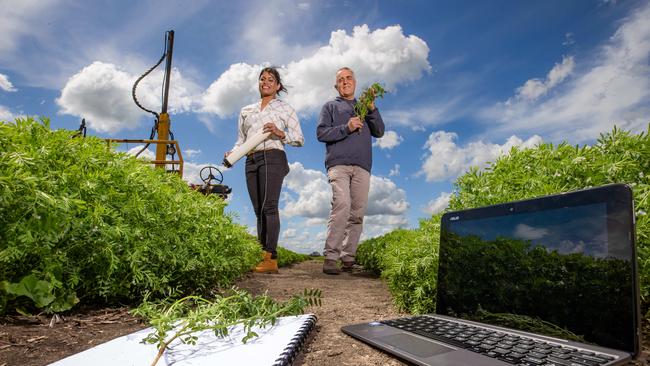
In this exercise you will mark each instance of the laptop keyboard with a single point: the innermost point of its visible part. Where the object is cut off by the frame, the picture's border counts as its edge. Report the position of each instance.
(507, 347)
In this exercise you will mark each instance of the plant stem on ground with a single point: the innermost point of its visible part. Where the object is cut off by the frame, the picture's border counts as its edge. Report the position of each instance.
(184, 317)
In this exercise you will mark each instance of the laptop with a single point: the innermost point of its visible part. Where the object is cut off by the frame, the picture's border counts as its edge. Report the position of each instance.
(547, 281)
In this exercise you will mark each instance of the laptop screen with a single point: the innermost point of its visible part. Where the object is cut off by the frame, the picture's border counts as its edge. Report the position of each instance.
(562, 266)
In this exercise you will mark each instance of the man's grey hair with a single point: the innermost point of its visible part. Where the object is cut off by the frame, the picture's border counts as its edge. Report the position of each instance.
(341, 69)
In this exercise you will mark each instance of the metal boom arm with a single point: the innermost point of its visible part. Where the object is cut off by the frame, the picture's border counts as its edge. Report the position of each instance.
(164, 123)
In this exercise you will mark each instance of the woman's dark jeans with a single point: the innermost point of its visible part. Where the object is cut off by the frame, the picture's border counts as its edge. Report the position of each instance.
(265, 172)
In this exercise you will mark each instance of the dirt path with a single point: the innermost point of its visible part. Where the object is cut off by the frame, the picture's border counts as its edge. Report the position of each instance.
(30, 341)
(347, 298)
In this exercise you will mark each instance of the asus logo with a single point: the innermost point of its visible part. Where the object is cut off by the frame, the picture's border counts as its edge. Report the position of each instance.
(454, 218)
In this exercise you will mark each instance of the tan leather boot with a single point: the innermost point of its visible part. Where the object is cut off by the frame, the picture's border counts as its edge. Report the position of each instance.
(267, 265)
(266, 255)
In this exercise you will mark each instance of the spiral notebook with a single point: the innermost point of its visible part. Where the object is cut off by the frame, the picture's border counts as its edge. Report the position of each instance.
(277, 345)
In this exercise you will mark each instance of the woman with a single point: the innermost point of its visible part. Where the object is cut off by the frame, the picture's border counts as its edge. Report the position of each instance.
(266, 164)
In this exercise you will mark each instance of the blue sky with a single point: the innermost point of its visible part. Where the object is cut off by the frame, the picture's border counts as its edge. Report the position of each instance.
(466, 80)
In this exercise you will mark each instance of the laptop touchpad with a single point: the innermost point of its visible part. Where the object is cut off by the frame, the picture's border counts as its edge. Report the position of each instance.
(415, 345)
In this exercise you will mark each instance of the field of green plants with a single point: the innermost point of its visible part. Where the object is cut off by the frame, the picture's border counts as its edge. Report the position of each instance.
(287, 257)
(407, 259)
(80, 223)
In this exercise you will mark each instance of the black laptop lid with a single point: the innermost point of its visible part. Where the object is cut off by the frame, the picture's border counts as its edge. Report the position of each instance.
(562, 265)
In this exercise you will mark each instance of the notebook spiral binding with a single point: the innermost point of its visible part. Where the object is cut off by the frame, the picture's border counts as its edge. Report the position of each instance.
(297, 342)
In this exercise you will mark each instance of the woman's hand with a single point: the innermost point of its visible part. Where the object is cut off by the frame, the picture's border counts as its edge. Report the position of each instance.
(226, 154)
(274, 130)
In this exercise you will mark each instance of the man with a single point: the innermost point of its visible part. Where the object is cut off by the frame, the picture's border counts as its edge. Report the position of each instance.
(348, 161)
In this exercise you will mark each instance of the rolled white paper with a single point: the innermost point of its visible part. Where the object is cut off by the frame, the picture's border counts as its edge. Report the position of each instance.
(247, 146)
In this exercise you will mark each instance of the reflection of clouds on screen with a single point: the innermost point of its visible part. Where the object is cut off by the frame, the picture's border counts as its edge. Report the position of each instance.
(567, 230)
(601, 249)
(526, 232)
(570, 247)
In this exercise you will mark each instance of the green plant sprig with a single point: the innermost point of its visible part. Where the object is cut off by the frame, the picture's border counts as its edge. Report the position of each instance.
(362, 106)
(182, 318)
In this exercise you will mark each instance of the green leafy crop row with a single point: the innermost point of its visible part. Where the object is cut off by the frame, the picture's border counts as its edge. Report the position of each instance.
(616, 157)
(287, 257)
(408, 260)
(79, 222)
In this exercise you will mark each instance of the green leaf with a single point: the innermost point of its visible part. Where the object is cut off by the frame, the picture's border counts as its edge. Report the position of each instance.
(38, 290)
(64, 303)
(250, 335)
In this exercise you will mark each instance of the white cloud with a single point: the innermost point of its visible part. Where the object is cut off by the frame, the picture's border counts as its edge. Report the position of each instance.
(385, 55)
(101, 93)
(5, 84)
(437, 205)
(299, 241)
(390, 140)
(305, 247)
(72, 34)
(568, 39)
(529, 233)
(313, 190)
(146, 154)
(190, 153)
(321, 236)
(235, 88)
(5, 114)
(432, 114)
(381, 224)
(18, 19)
(289, 233)
(252, 230)
(316, 221)
(611, 87)
(568, 247)
(446, 160)
(266, 41)
(535, 88)
(33, 25)
(394, 171)
(385, 199)
(559, 72)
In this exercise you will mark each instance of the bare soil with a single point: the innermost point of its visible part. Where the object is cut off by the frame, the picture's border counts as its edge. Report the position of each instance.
(347, 298)
(31, 341)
